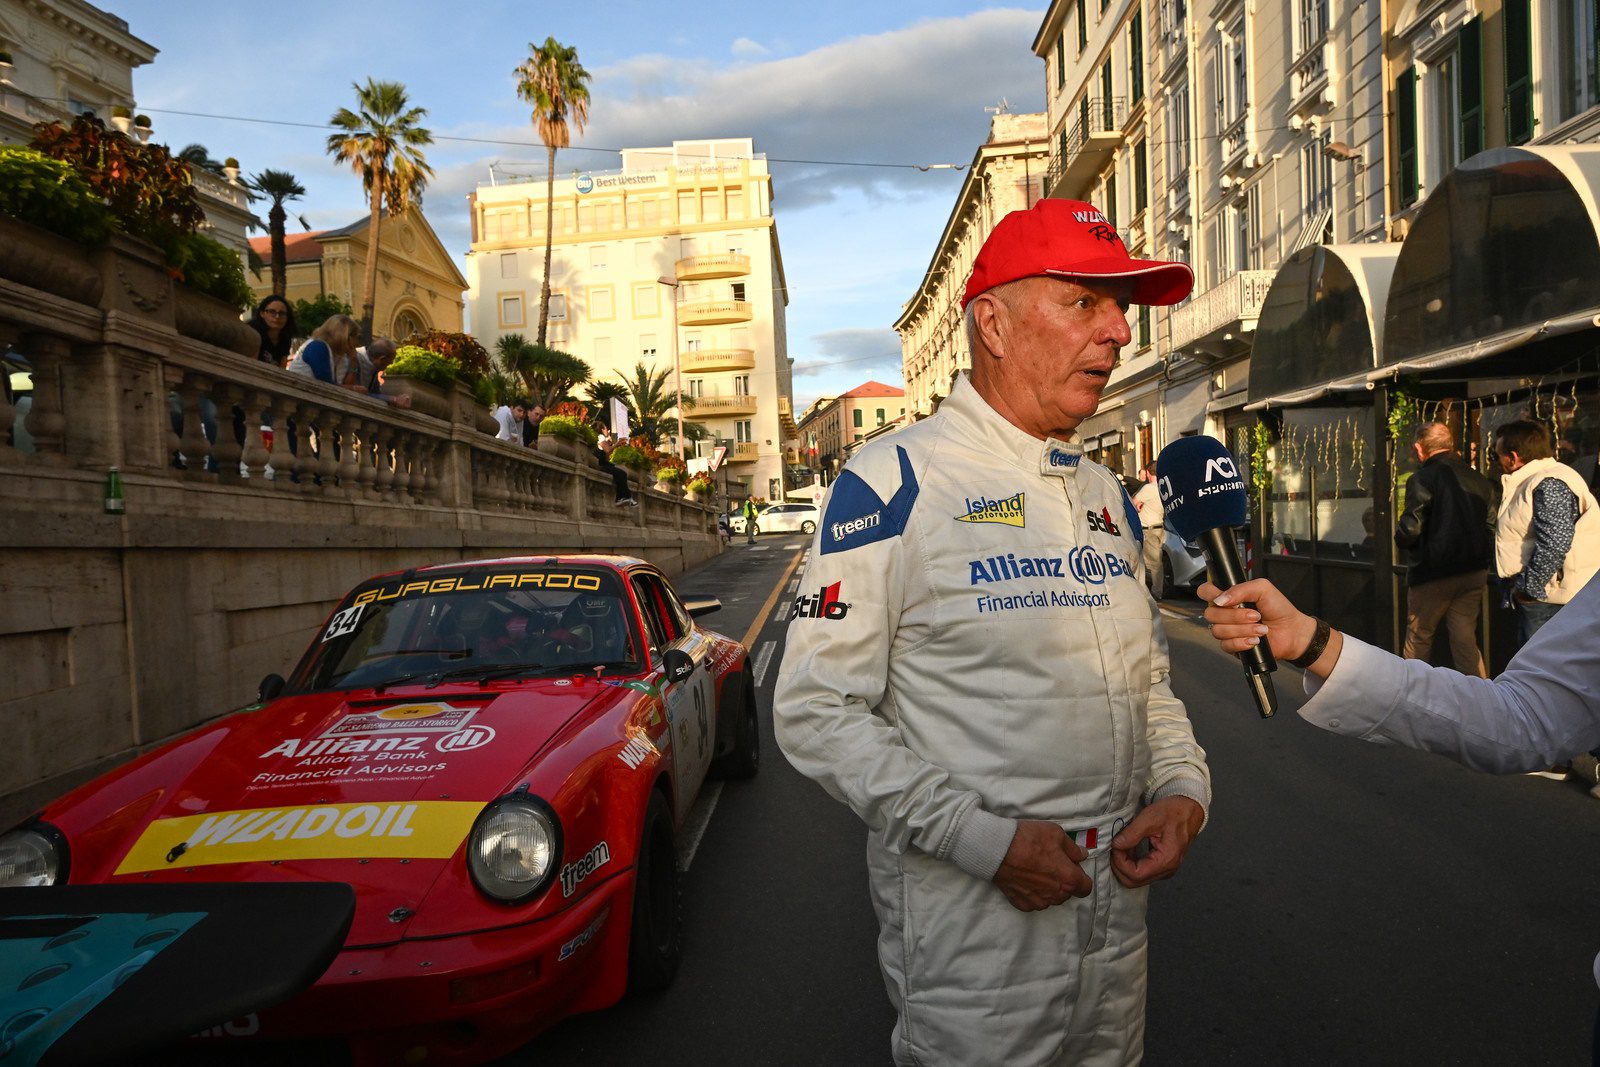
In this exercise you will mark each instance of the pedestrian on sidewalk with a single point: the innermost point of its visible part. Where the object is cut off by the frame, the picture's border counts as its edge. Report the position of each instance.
(1153, 517)
(751, 511)
(1541, 710)
(1447, 533)
(1004, 727)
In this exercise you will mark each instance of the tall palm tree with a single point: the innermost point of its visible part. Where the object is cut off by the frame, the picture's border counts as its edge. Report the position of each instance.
(382, 141)
(649, 400)
(600, 395)
(198, 155)
(555, 83)
(279, 186)
(548, 374)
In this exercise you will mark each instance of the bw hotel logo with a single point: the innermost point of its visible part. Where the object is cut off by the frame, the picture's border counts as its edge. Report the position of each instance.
(585, 183)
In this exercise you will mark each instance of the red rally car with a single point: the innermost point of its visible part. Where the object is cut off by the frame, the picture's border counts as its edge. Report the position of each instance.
(497, 756)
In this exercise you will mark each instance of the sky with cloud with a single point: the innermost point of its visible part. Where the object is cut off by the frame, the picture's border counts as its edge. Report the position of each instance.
(822, 88)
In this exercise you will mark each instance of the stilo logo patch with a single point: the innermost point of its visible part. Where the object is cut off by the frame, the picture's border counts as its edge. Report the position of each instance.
(823, 604)
(1103, 523)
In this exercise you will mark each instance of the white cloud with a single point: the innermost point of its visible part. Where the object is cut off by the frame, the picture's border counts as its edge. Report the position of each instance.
(856, 354)
(745, 48)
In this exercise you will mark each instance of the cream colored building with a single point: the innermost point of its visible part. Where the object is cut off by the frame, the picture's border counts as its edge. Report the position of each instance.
(1226, 134)
(419, 286)
(675, 255)
(833, 427)
(69, 57)
(1007, 174)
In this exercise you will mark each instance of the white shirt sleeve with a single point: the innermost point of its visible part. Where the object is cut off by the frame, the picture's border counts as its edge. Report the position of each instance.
(1544, 709)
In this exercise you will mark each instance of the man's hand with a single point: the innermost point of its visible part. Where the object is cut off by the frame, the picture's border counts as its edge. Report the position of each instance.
(1041, 867)
(1169, 825)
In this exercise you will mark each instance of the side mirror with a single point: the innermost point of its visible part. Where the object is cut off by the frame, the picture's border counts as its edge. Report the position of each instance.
(678, 664)
(270, 687)
(697, 605)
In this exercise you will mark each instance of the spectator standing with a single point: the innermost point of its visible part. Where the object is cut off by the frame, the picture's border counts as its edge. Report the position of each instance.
(273, 321)
(1447, 530)
(751, 512)
(1153, 517)
(1547, 536)
(513, 420)
(330, 355)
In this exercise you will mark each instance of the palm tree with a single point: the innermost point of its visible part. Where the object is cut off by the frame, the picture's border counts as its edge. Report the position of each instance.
(548, 374)
(279, 186)
(600, 396)
(649, 400)
(198, 155)
(383, 143)
(555, 83)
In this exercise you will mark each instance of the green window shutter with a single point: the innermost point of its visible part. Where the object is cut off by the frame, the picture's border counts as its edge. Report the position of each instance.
(1471, 99)
(1083, 117)
(1136, 59)
(1111, 199)
(1141, 177)
(1061, 61)
(1144, 325)
(1405, 124)
(1519, 71)
(1107, 104)
(1083, 27)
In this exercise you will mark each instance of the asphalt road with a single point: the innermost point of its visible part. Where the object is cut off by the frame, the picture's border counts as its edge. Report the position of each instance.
(1347, 904)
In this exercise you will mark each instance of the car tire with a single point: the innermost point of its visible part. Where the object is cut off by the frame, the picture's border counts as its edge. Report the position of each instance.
(744, 760)
(808, 527)
(655, 942)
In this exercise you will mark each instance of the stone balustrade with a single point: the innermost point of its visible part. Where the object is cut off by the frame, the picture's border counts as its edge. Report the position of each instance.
(120, 631)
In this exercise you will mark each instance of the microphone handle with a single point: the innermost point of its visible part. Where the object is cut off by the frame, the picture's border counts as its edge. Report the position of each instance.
(1222, 555)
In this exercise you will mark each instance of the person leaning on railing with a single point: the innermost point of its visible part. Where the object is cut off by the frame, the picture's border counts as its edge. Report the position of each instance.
(371, 362)
(330, 355)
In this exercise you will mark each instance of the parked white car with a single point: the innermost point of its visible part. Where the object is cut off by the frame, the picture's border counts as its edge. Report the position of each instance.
(1185, 563)
(789, 518)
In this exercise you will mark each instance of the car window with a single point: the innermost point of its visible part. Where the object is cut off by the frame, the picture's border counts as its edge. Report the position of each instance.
(679, 613)
(413, 626)
(660, 633)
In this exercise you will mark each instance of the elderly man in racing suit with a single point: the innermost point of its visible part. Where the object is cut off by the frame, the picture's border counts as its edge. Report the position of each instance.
(975, 667)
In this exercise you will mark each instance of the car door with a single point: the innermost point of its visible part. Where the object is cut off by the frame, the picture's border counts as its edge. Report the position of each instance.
(778, 519)
(691, 702)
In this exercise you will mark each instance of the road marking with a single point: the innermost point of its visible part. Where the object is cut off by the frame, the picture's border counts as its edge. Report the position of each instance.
(761, 616)
(694, 827)
(763, 658)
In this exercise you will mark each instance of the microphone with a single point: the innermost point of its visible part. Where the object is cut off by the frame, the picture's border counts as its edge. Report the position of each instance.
(1204, 499)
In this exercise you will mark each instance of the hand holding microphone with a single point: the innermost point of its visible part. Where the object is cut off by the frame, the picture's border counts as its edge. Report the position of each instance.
(1205, 499)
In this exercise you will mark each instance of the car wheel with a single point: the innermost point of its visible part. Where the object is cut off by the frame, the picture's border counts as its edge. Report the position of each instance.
(655, 943)
(745, 758)
(808, 527)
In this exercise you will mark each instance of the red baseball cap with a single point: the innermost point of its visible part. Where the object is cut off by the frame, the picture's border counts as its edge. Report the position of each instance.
(1071, 239)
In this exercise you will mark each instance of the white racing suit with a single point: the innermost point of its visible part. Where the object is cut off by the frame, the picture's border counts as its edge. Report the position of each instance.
(973, 645)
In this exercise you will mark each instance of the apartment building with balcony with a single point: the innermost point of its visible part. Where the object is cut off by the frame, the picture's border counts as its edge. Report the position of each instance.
(69, 57)
(1007, 174)
(672, 257)
(1222, 133)
(832, 428)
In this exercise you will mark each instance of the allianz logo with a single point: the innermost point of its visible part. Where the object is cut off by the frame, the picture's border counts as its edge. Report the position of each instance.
(1005, 568)
(1092, 567)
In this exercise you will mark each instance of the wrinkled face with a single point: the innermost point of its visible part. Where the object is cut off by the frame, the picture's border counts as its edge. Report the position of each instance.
(1060, 343)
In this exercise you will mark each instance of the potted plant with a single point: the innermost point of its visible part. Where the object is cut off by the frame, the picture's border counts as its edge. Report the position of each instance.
(671, 473)
(565, 436)
(230, 169)
(632, 460)
(121, 118)
(426, 377)
(700, 488)
(141, 127)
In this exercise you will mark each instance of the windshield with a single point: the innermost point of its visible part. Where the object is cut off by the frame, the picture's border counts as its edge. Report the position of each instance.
(475, 623)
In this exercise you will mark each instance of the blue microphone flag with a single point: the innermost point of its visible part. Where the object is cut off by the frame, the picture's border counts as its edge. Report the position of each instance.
(1200, 486)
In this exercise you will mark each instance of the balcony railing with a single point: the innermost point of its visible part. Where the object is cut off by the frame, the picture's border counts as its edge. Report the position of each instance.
(1231, 307)
(1086, 147)
(714, 312)
(1234, 140)
(707, 360)
(718, 406)
(1308, 80)
(745, 452)
(718, 265)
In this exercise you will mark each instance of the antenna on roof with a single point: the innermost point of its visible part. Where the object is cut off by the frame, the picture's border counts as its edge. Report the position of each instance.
(492, 162)
(1002, 108)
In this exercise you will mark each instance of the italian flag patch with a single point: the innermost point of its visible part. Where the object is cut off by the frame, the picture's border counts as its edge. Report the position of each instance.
(1086, 839)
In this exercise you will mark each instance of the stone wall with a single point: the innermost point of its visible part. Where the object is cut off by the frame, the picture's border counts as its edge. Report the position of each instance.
(119, 631)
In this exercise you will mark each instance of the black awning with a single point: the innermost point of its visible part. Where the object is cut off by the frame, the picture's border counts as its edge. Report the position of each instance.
(1504, 250)
(1321, 323)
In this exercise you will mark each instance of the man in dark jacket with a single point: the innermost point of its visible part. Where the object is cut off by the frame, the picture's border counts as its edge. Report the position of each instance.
(1448, 529)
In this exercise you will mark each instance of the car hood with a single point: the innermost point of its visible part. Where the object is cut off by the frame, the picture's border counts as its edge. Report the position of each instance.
(377, 790)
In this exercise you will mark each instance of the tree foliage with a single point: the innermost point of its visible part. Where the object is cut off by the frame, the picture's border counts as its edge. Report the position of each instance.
(548, 374)
(279, 187)
(649, 400)
(309, 314)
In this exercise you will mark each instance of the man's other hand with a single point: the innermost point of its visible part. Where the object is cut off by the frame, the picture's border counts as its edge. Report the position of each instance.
(1041, 867)
(1169, 825)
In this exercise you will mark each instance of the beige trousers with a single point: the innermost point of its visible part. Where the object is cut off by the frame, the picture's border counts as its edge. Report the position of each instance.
(1458, 601)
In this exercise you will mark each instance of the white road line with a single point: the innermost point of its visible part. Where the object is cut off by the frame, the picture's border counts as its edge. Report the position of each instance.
(763, 659)
(694, 827)
(780, 614)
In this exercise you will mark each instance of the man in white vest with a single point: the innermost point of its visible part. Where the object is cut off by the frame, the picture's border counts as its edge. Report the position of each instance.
(1547, 537)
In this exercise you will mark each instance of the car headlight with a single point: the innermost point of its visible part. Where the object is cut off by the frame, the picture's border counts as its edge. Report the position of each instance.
(514, 848)
(32, 856)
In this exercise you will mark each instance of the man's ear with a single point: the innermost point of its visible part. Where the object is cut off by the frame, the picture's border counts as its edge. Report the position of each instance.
(989, 322)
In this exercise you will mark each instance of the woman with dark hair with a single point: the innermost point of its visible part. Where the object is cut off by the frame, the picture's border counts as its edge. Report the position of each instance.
(274, 322)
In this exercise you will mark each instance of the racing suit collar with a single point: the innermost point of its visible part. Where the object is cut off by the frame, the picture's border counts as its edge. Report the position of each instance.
(968, 410)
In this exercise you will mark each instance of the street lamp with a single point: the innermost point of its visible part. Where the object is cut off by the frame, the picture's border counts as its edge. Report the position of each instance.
(677, 370)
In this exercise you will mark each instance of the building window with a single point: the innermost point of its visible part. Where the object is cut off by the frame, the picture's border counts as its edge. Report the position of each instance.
(857, 418)
(1405, 110)
(1144, 325)
(738, 290)
(602, 350)
(743, 432)
(1178, 134)
(1107, 97)
(1577, 56)
(1457, 111)
(735, 203)
(741, 385)
(882, 416)
(1310, 26)
(1316, 175)
(558, 307)
(1111, 198)
(646, 300)
(686, 206)
(1083, 28)
(1517, 20)
(508, 264)
(1136, 58)
(602, 303)
(1173, 14)
(511, 311)
(597, 257)
(1141, 178)
(692, 342)
(711, 205)
(1233, 76)
(1061, 62)
(643, 254)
